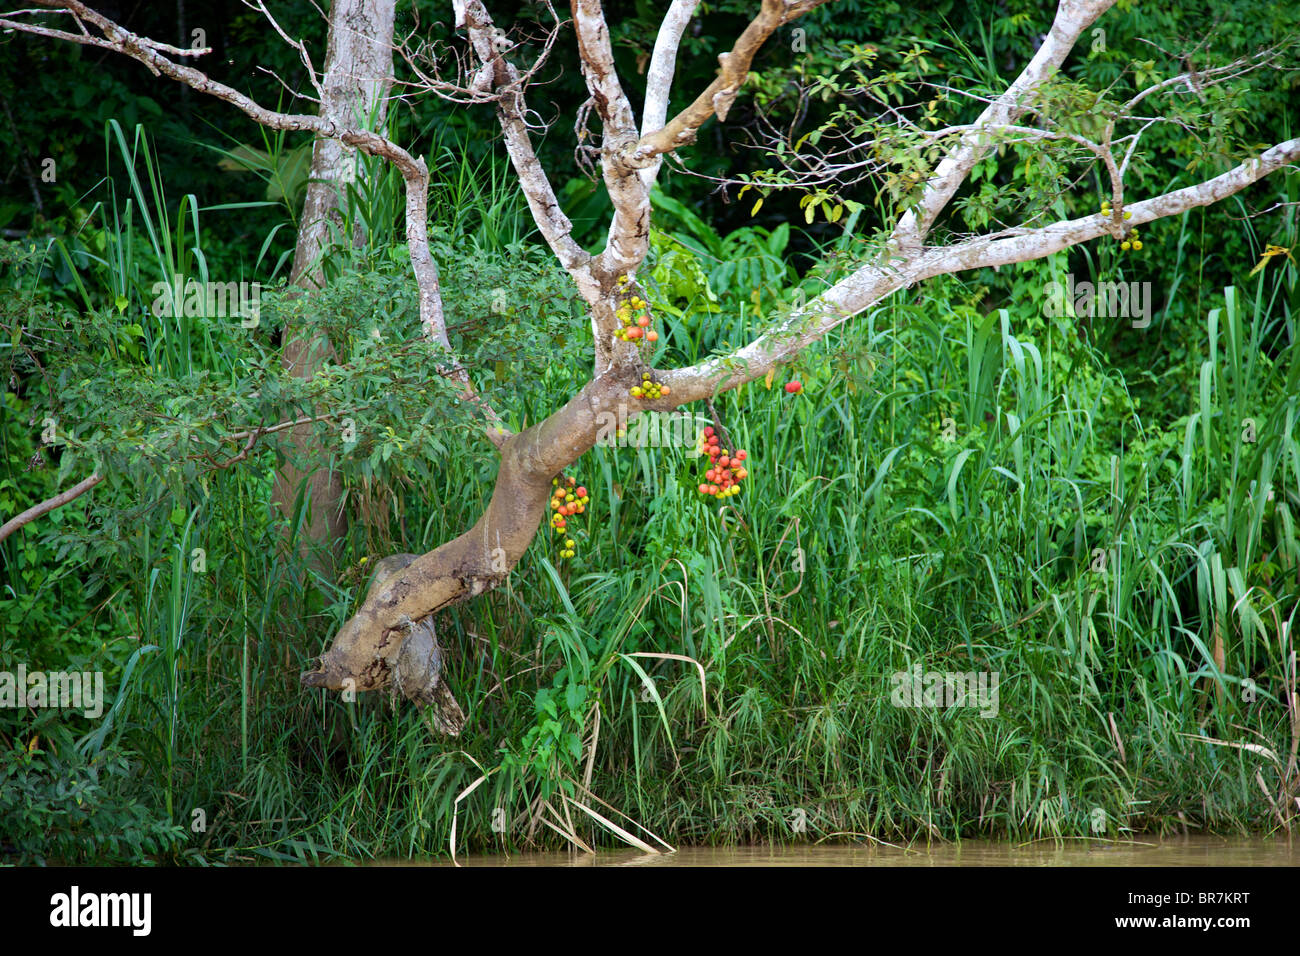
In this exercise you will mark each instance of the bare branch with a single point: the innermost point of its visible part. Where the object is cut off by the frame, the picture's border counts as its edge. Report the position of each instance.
(629, 233)
(475, 80)
(1072, 18)
(873, 282)
(555, 227)
(629, 230)
(1043, 242)
(718, 95)
(659, 77)
(298, 45)
(597, 60)
(49, 504)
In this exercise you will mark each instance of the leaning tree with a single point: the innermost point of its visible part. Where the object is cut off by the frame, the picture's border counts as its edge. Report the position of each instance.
(390, 640)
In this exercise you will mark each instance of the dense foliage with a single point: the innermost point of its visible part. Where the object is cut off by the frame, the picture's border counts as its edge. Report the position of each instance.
(1103, 514)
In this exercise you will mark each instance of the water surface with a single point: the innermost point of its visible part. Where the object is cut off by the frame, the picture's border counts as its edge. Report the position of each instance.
(1139, 851)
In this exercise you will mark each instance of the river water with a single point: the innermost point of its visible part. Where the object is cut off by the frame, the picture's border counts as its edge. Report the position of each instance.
(1139, 851)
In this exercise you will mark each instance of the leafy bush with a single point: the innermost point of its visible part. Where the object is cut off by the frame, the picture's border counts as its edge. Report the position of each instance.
(56, 807)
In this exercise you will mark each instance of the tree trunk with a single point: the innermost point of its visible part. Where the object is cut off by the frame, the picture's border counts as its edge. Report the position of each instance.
(358, 74)
(364, 652)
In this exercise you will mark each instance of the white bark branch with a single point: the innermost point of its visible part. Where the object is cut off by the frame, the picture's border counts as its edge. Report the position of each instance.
(732, 73)
(871, 283)
(1072, 18)
(554, 226)
(624, 156)
(629, 230)
(596, 56)
(659, 77)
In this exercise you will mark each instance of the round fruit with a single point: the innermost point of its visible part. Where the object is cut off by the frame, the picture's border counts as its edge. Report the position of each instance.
(794, 388)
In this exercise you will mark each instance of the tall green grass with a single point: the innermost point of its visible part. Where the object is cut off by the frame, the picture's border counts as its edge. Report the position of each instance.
(960, 488)
(1123, 576)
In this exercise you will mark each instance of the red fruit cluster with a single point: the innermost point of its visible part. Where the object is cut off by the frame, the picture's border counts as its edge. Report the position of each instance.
(569, 498)
(794, 388)
(727, 472)
(634, 318)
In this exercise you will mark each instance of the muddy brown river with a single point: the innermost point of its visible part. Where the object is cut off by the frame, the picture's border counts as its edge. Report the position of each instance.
(1140, 851)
